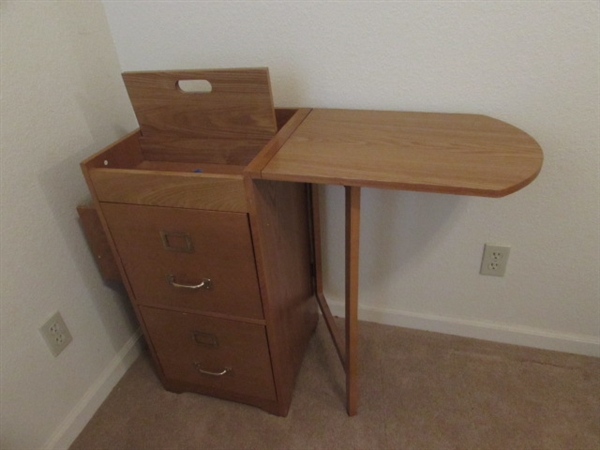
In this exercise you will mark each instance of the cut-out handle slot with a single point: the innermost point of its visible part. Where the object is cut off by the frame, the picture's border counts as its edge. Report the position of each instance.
(195, 86)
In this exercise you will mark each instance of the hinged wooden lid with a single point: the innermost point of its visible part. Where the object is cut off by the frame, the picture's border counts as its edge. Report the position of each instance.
(215, 116)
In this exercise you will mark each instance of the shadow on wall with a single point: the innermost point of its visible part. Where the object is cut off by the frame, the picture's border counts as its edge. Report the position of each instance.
(63, 195)
(288, 91)
(398, 228)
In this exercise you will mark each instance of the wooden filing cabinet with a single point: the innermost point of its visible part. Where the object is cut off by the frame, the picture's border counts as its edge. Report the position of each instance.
(216, 261)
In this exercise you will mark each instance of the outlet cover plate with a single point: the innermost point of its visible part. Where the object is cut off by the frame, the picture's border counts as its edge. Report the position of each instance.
(56, 334)
(495, 258)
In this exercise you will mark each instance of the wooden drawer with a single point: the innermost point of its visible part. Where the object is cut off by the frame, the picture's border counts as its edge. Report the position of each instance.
(160, 247)
(233, 355)
(219, 192)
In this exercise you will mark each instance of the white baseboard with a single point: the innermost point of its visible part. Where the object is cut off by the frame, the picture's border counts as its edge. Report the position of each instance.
(489, 331)
(83, 411)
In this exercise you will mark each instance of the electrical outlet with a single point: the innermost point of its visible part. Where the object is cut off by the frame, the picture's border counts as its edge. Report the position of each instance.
(494, 260)
(56, 334)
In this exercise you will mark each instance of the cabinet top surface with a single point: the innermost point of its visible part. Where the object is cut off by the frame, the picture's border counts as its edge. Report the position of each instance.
(433, 152)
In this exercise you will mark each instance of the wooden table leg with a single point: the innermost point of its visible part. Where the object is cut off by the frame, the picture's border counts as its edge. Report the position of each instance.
(334, 331)
(352, 247)
(348, 348)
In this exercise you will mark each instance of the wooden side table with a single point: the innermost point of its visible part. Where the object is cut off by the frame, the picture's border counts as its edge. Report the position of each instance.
(461, 154)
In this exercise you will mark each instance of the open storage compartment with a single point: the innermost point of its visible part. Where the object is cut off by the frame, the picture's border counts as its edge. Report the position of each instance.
(193, 143)
(121, 174)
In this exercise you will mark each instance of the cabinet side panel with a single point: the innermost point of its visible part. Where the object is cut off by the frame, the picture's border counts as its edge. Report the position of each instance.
(124, 153)
(280, 229)
(214, 353)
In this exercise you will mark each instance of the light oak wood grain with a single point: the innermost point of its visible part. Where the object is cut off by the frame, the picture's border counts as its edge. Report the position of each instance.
(191, 167)
(184, 190)
(270, 150)
(433, 152)
(221, 250)
(189, 149)
(281, 237)
(230, 124)
(124, 153)
(352, 260)
(240, 347)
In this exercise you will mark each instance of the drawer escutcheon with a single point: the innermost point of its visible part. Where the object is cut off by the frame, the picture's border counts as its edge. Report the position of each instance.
(177, 241)
(207, 339)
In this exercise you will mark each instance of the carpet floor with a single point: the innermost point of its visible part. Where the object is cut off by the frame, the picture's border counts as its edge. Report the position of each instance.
(418, 390)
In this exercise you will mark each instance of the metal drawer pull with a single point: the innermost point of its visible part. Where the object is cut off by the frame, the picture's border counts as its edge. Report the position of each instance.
(204, 284)
(214, 374)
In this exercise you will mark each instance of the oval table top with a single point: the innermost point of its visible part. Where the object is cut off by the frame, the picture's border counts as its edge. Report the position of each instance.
(464, 154)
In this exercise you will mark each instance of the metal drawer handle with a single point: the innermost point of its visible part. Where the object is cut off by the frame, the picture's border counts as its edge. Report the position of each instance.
(213, 374)
(205, 283)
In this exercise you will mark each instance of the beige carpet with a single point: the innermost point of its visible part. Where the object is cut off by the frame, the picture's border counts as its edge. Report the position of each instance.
(418, 390)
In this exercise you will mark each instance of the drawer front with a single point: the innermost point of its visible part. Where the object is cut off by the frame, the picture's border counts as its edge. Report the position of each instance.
(168, 253)
(185, 190)
(213, 353)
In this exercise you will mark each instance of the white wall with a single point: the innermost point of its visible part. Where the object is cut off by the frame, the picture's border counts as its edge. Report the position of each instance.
(532, 64)
(62, 100)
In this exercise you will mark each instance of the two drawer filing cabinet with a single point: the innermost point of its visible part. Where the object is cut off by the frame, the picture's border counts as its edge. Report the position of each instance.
(217, 264)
